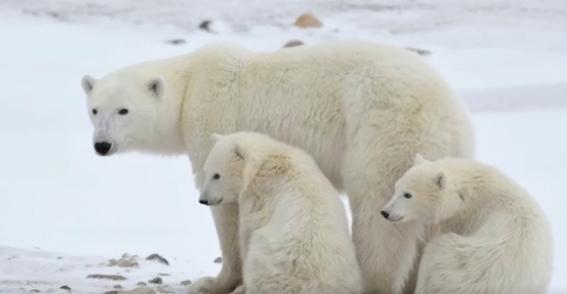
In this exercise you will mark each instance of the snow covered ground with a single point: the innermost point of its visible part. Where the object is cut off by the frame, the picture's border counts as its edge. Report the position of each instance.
(57, 199)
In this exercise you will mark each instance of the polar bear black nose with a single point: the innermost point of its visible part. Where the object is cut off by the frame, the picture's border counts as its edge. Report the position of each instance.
(385, 214)
(102, 148)
(203, 201)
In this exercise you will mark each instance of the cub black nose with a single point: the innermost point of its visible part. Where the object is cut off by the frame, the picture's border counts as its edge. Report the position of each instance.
(102, 148)
(385, 214)
(204, 202)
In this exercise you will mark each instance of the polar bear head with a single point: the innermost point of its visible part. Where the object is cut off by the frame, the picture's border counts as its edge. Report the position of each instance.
(424, 194)
(132, 109)
(230, 166)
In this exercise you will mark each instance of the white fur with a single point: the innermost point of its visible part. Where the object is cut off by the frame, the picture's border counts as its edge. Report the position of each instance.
(294, 236)
(362, 110)
(494, 237)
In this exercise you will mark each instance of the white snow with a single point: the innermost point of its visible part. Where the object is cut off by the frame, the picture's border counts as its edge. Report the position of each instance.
(58, 199)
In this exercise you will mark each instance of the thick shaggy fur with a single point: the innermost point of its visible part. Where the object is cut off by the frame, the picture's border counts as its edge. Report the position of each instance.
(294, 236)
(362, 110)
(494, 237)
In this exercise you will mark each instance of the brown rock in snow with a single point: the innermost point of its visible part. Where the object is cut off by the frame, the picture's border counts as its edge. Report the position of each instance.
(307, 20)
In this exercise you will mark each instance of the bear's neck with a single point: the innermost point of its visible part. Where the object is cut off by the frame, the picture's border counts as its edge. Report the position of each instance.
(169, 137)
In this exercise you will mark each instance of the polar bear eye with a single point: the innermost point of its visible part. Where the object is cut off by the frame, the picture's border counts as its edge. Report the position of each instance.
(216, 176)
(94, 111)
(123, 111)
(408, 195)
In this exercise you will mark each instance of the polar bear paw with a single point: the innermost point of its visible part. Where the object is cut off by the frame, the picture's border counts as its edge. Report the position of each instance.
(210, 285)
(239, 290)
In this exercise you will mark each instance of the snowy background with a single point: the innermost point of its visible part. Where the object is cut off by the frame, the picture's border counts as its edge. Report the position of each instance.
(65, 212)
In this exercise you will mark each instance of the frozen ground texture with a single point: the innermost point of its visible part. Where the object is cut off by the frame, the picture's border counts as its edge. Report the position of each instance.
(57, 199)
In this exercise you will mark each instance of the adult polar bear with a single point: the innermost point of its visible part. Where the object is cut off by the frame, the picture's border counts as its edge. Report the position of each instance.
(362, 110)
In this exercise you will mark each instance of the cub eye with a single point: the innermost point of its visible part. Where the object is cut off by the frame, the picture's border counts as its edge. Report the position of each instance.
(94, 111)
(216, 176)
(123, 111)
(408, 195)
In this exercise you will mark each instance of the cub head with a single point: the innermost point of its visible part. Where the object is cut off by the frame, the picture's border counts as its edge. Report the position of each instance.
(126, 109)
(228, 169)
(424, 194)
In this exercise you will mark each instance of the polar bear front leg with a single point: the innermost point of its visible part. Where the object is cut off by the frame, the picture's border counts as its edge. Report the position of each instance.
(230, 276)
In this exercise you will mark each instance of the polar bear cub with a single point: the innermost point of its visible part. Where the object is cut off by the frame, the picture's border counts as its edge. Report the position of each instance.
(294, 235)
(494, 237)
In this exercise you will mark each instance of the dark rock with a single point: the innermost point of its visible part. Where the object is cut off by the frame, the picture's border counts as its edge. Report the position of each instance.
(157, 257)
(176, 41)
(107, 277)
(65, 287)
(293, 43)
(419, 51)
(206, 25)
(156, 280)
(186, 282)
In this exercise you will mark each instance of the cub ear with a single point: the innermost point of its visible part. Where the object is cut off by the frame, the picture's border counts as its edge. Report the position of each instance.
(441, 180)
(156, 86)
(418, 159)
(240, 152)
(88, 82)
(215, 137)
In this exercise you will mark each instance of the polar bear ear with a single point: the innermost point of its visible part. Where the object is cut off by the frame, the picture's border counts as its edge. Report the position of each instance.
(88, 82)
(441, 180)
(418, 159)
(156, 86)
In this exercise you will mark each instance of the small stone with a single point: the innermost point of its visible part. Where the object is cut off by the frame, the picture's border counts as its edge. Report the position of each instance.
(112, 292)
(163, 274)
(176, 41)
(107, 277)
(117, 286)
(158, 258)
(419, 51)
(218, 260)
(35, 290)
(293, 43)
(206, 25)
(65, 287)
(156, 280)
(125, 261)
(186, 282)
(140, 283)
(139, 290)
(307, 20)
(59, 257)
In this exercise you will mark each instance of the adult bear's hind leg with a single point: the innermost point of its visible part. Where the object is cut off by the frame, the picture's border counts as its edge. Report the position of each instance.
(374, 161)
